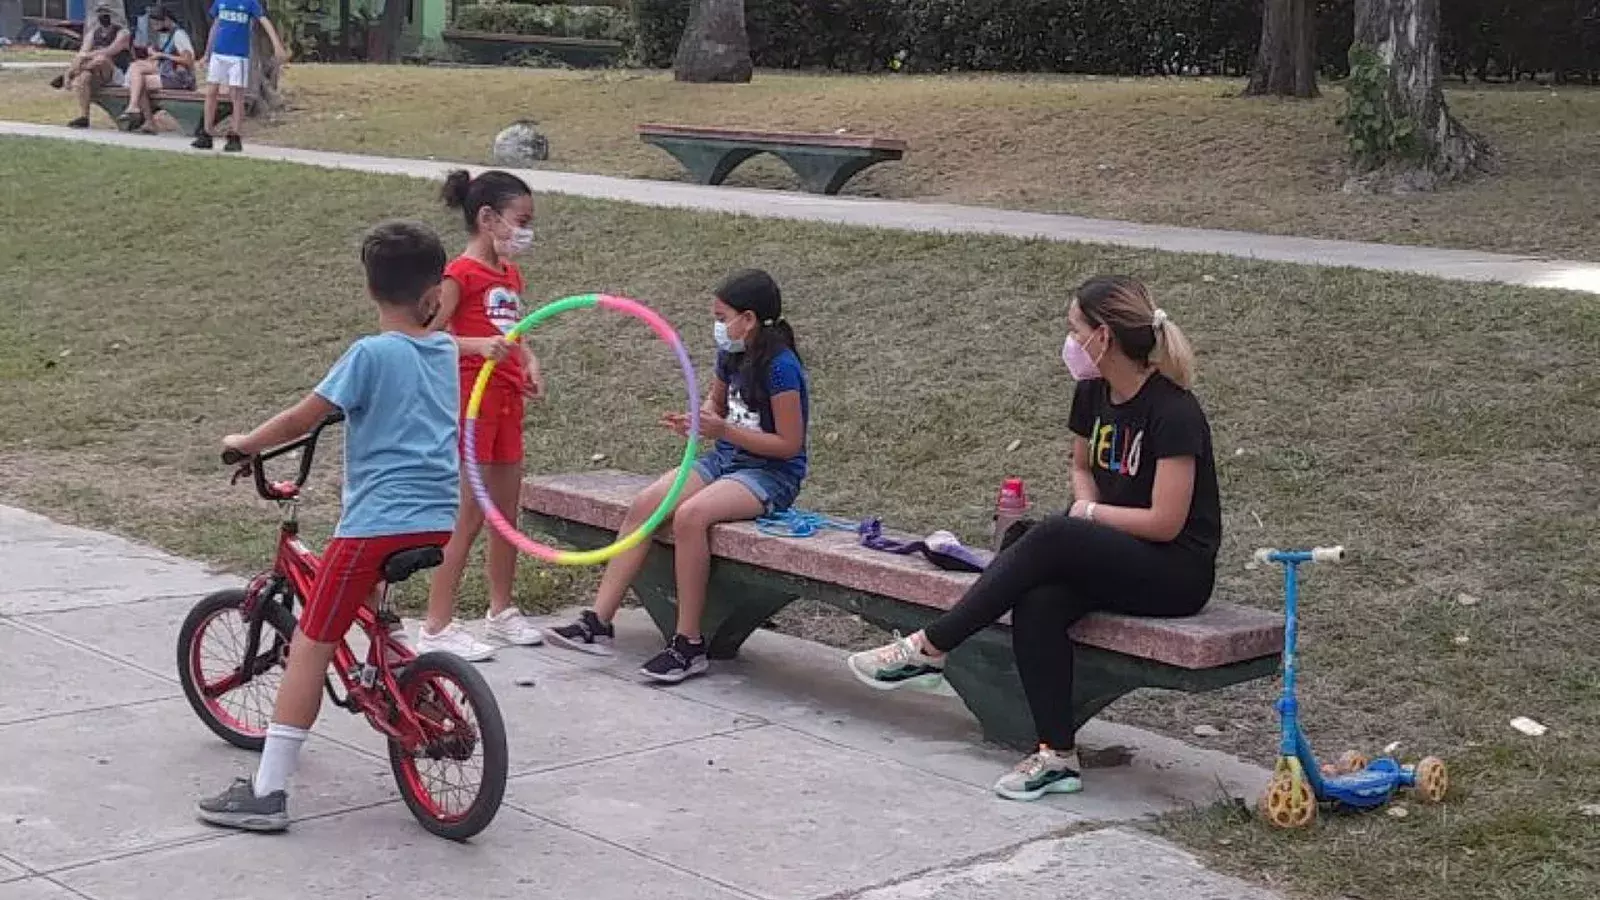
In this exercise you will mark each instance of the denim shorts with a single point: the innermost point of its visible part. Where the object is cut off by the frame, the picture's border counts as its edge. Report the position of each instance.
(776, 490)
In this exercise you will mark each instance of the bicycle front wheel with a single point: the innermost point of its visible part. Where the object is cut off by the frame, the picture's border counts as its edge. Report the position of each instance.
(231, 694)
(453, 781)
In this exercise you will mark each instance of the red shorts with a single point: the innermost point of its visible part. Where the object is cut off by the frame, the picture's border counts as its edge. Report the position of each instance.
(498, 437)
(351, 568)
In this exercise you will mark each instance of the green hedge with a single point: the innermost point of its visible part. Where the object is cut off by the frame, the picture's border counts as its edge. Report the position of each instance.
(1490, 38)
(553, 20)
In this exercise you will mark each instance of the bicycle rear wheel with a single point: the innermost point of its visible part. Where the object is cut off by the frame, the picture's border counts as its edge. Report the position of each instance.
(454, 780)
(211, 664)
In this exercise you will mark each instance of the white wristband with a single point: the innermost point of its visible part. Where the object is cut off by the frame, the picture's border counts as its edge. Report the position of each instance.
(1088, 511)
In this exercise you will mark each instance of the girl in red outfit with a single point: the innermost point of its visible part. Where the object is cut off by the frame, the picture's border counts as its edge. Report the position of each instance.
(482, 298)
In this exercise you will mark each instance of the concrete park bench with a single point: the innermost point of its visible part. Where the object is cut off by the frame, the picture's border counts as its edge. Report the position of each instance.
(824, 162)
(754, 575)
(188, 107)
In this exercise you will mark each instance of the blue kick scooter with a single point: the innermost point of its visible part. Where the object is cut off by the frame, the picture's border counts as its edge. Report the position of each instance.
(1298, 783)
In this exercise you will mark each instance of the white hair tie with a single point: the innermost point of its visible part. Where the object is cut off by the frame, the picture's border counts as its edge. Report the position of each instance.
(1159, 319)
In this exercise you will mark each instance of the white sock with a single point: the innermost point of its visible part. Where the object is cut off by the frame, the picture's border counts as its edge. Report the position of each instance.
(279, 758)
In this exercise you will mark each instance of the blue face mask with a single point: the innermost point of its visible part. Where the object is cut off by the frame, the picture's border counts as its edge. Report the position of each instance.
(724, 343)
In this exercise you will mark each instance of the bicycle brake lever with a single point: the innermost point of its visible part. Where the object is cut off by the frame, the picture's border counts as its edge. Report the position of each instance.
(243, 471)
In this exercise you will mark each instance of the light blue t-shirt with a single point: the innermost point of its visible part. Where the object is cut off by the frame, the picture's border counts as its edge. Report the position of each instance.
(401, 399)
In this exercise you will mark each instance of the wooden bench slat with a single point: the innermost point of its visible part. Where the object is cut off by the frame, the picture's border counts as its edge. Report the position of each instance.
(1220, 635)
(782, 138)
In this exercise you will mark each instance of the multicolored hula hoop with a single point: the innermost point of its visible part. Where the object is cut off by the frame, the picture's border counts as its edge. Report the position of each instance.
(625, 543)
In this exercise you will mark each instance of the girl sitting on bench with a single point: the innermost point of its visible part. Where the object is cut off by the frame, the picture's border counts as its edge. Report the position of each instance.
(757, 412)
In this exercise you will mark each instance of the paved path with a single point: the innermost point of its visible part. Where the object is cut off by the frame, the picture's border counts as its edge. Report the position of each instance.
(773, 777)
(33, 65)
(1455, 265)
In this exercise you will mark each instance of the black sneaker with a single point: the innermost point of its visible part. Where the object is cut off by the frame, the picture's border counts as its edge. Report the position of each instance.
(682, 659)
(58, 82)
(202, 141)
(239, 807)
(234, 145)
(79, 122)
(132, 120)
(587, 635)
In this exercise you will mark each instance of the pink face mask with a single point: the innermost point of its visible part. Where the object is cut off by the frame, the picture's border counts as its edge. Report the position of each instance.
(1082, 366)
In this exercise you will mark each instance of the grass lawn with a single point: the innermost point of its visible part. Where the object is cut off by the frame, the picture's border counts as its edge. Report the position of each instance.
(1182, 152)
(1448, 434)
(21, 53)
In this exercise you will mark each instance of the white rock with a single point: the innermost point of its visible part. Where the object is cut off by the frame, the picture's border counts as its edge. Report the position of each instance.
(1528, 726)
(1589, 809)
(1207, 731)
(1462, 640)
(1398, 812)
(1012, 447)
(520, 143)
(1467, 600)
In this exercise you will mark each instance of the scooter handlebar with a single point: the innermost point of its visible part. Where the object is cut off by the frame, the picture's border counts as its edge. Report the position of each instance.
(1316, 555)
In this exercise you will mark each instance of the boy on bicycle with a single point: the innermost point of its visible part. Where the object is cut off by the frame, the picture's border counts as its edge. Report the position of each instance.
(399, 393)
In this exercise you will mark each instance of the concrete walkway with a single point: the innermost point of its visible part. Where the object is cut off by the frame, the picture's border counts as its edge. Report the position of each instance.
(1455, 265)
(772, 777)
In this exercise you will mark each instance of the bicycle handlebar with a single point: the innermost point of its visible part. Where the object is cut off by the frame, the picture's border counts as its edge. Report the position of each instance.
(1314, 555)
(254, 463)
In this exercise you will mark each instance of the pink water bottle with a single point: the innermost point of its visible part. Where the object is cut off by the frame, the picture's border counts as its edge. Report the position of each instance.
(1011, 505)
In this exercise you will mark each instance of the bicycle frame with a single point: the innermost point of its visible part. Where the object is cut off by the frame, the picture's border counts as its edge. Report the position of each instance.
(371, 685)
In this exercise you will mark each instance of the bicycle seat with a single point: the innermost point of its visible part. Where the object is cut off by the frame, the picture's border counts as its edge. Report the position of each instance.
(406, 563)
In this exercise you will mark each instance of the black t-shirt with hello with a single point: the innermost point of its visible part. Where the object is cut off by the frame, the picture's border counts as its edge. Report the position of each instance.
(1125, 441)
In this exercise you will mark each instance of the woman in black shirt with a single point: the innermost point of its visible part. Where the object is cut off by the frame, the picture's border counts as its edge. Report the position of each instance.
(1141, 537)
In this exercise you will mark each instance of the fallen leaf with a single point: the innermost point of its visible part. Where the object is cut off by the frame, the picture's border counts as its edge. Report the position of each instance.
(598, 457)
(1462, 640)
(1398, 812)
(1467, 600)
(1392, 749)
(1589, 809)
(1209, 279)
(1207, 731)
(1012, 447)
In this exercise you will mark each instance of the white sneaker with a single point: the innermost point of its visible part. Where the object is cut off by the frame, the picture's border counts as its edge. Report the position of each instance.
(453, 639)
(512, 627)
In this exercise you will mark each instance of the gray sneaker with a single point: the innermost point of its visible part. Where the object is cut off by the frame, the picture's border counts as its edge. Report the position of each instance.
(898, 664)
(239, 807)
(1045, 772)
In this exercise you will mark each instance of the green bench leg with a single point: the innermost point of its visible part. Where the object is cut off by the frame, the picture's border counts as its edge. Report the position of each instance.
(827, 173)
(735, 606)
(707, 165)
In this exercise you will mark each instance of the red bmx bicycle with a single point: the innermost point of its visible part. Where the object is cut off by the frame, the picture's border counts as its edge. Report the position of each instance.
(447, 741)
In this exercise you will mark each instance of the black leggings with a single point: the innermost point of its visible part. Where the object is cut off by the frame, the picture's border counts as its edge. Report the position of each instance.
(1059, 571)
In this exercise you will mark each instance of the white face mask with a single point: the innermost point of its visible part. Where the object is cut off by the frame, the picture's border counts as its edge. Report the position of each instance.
(517, 242)
(726, 344)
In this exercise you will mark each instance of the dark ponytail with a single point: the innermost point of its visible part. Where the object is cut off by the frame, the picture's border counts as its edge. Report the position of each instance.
(756, 291)
(494, 189)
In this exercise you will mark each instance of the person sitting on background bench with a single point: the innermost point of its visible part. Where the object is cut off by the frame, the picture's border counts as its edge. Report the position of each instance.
(1141, 537)
(169, 66)
(102, 61)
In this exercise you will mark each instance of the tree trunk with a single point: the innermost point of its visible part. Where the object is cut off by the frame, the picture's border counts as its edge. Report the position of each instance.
(715, 46)
(390, 27)
(1286, 64)
(10, 18)
(1405, 36)
(264, 71)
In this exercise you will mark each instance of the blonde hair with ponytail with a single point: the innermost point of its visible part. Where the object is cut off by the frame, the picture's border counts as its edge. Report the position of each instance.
(1144, 331)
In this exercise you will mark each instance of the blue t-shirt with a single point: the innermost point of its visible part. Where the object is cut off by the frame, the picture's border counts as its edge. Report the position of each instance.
(401, 398)
(234, 19)
(784, 375)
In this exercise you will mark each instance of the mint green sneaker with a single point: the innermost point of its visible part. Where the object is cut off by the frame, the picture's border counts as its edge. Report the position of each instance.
(1045, 772)
(896, 665)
